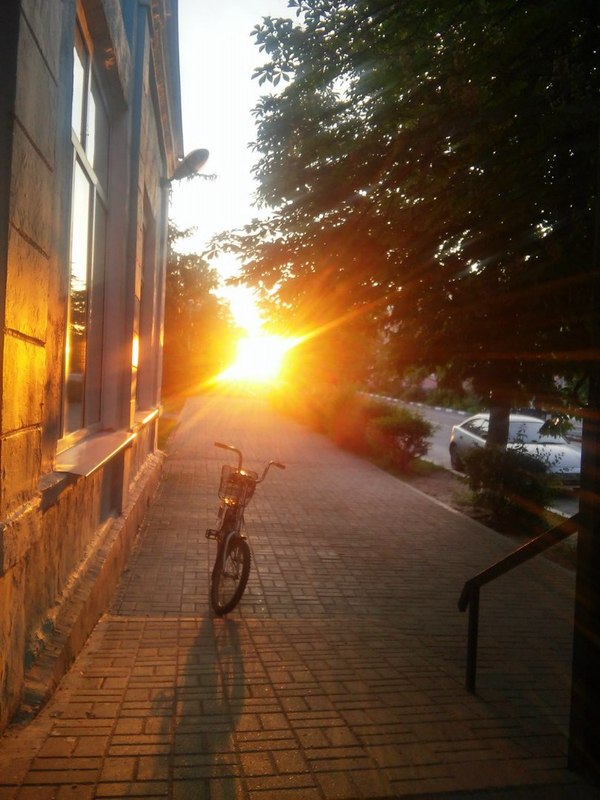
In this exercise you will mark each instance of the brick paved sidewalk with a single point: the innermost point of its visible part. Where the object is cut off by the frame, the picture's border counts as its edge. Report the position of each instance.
(341, 673)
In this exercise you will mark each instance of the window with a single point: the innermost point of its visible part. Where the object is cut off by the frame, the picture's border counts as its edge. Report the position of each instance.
(529, 433)
(477, 426)
(85, 319)
(146, 389)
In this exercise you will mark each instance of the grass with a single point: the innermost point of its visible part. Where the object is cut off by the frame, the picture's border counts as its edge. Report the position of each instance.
(166, 426)
(169, 418)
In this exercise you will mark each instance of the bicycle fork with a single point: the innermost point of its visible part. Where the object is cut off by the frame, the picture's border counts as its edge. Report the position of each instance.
(232, 521)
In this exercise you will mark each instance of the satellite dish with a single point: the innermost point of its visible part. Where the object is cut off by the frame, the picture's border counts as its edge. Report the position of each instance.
(191, 164)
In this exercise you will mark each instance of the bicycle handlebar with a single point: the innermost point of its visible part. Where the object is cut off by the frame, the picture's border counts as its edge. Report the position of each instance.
(269, 465)
(224, 446)
(277, 464)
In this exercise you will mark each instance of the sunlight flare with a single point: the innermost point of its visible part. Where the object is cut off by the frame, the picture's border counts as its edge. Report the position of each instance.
(259, 358)
(244, 309)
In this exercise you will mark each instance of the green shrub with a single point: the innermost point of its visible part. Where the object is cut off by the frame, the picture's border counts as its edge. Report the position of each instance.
(350, 414)
(312, 406)
(399, 437)
(365, 425)
(511, 484)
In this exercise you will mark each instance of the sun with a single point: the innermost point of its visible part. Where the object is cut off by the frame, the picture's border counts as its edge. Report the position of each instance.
(260, 354)
(259, 358)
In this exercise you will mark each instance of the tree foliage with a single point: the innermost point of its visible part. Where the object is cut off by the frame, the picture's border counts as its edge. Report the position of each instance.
(431, 168)
(197, 324)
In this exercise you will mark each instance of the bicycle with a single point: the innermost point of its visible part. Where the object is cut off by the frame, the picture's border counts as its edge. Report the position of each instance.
(232, 564)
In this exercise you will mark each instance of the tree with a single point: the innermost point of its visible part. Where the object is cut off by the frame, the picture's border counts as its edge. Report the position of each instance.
(431, 167)
(197, 324)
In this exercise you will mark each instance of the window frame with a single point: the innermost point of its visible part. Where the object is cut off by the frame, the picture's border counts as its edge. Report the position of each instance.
(93, 96)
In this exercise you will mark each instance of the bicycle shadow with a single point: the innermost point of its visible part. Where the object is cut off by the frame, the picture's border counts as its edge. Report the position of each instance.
(207, 707)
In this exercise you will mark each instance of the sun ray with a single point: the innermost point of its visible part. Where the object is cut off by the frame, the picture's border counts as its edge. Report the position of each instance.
(259, 358)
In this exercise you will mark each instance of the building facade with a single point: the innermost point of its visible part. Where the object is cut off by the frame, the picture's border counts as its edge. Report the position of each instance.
(91, 130)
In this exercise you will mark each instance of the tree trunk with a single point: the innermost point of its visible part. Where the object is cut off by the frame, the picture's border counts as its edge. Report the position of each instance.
(584, 734)
(584, 741)
(498, 430)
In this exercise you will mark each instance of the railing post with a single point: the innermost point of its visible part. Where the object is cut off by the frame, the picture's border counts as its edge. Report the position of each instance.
(469, 596)
(472, 640)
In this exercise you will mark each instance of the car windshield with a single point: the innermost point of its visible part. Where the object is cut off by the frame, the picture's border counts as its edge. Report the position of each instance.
(529, 433)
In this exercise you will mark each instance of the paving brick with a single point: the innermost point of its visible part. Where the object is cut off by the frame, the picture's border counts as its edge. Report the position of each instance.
(289, 761)
(70, 763)
(154, 749)
(281, 793)
(91, 746)
(129, 727)
(138, 789)
(55, 746)
(257, 764)
(195, 790)
(36, 793)
(75, 792)
(118, 769)
(45, 777)
(274, 740)
(337, 786)
(282, 783)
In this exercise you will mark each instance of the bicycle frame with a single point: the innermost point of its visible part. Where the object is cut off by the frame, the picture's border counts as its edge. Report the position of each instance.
(234, 558)
(231, 511)
(225, 533)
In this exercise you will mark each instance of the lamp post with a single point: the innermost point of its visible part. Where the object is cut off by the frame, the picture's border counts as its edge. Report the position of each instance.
(190, 165)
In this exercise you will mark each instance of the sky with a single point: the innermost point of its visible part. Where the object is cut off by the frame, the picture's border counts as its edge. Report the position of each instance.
(217, 59)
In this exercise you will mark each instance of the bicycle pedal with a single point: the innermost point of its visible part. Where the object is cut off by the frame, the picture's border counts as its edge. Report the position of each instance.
(212, 534)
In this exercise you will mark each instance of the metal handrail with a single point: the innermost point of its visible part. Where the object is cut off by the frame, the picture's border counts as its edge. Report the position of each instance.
(469, 597)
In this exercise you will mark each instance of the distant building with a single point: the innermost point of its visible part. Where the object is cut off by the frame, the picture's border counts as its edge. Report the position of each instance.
(90, 129)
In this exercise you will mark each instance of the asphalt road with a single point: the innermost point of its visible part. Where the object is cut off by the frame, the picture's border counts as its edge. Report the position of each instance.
(444, 419)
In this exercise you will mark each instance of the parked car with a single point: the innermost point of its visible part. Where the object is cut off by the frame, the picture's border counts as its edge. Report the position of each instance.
(562, 458)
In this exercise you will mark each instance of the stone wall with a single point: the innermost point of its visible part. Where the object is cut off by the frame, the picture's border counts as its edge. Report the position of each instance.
(65, 533)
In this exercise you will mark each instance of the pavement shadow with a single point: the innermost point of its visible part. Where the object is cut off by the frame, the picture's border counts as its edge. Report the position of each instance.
(209, 699)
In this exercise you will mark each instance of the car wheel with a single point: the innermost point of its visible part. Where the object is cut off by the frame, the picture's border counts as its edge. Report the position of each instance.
(455, 461)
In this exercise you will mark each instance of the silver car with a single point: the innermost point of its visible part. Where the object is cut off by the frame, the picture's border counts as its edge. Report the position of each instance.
(562, 458)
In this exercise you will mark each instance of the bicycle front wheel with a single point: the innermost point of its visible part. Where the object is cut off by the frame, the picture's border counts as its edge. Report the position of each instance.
(230, 576)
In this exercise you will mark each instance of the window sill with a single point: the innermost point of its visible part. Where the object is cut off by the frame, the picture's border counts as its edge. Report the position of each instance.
(91, 454)
(142, 418)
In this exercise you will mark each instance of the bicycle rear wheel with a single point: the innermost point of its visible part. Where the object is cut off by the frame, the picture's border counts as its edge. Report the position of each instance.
(230, 576)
